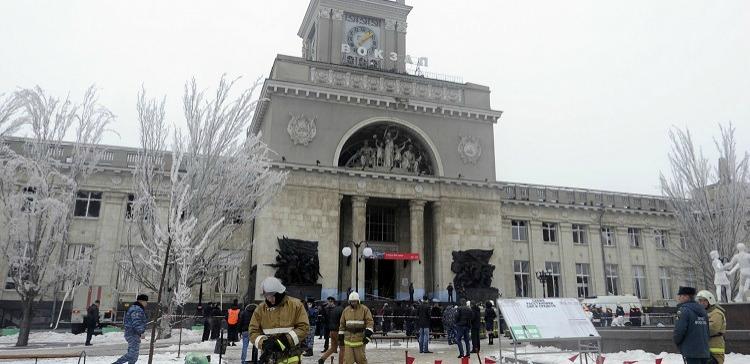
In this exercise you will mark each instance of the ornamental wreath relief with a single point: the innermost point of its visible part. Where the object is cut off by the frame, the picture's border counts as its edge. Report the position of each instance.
(469, 149)
(301, 130)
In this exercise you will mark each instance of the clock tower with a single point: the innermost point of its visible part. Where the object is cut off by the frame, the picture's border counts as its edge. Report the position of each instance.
(360, 33)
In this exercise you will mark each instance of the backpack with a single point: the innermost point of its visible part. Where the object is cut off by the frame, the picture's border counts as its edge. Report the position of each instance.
(234, 316)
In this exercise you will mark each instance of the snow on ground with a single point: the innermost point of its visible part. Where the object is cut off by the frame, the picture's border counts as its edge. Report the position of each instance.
(160, 358)
(110, 337)
(616, 358)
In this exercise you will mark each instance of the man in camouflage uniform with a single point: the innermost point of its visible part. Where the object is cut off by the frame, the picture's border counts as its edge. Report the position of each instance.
(279, 324)
(355, 329)
(134, 322)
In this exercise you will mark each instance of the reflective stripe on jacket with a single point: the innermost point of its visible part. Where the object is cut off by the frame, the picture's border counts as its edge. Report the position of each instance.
(288, 317)
(353, 323)
(717, 327)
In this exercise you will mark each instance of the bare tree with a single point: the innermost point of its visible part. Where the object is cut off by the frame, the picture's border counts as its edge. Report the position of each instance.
(711, 201)
(190, 203)
(39, 180)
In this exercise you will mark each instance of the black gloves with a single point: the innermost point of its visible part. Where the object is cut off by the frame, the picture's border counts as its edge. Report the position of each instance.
(276, 344)
(366, 339)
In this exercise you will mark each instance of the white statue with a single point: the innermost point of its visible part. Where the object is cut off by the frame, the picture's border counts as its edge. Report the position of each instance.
(721, 277)
(741, 261)
(388, 149)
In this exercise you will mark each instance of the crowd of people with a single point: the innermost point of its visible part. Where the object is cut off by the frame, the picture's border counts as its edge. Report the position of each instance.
(604, 316)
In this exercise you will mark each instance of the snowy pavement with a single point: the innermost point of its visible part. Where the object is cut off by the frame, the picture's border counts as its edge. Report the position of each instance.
(108, 347)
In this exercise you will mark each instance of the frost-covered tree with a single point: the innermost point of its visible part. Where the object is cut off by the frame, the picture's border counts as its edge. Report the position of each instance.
(39, 179)
(193, 194)
(711, 201)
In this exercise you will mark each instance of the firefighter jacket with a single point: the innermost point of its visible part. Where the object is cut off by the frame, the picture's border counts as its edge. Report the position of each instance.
(288, 318)
(353, 323)
(717, 327)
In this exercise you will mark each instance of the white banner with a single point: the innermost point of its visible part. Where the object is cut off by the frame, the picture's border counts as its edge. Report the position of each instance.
(544, 319)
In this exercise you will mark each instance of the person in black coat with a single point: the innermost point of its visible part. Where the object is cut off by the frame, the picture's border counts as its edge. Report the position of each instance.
(476, 325)
(691, 332)
(92, 321)
(489, 321)
(207, 321)
(423, 322)
(450, 292)
(244, 327)
(216, 318)
(464, 317)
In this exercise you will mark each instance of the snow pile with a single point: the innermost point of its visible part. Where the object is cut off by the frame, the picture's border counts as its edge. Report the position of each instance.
(640, 356)
(109, 338)
(160, 358)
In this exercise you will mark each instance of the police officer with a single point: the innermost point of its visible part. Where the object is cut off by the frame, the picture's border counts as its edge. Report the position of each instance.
(279, 324)
(717, 325)
(355, 329)
(134, 322)
(691, 329)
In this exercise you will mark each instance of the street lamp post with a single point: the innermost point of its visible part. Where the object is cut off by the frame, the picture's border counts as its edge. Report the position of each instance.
(347, 252)
(544, 277)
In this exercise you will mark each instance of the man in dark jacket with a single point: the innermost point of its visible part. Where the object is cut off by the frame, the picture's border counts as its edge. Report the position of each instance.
(207, 321)
(134, 323)
(476, 325)
(691, 329)
(423, 322)
(216, 318)
(244, 325)
(92, 321)
(464, 317)
(333, 316)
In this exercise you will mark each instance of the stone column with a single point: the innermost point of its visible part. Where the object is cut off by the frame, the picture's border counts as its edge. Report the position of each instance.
(359, 211)
(440, 259)
(416, 218)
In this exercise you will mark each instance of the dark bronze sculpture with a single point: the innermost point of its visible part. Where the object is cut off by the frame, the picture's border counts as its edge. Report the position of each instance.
(473, 273)
(297, 263)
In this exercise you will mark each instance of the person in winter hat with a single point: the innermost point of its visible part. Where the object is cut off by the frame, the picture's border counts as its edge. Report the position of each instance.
(356, 326)
(134, 323)
(691, 330)
(717, 325)
(279, 324)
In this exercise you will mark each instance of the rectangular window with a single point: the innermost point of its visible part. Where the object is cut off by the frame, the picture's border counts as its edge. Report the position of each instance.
(613, 281)
(78, 260)
(29, 203)
(583, 276)
(553, 285)
(660, 237)
(690, 280)
(666, 283)
(129, 207)
(88, 204)
(381, 224)
(634, 234)
(608, 235)
(522, 276)
(639, 282)
(579, 234)
(126, 281)
(229, 278)
(519, 230)
(549, 232)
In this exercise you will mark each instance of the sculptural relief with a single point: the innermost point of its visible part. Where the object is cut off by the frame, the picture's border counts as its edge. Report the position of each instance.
(297, 262)
(301, 130)
(469, 149)
(386, 148)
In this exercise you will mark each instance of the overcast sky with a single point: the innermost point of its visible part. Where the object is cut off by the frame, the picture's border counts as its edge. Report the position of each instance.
(589, 89)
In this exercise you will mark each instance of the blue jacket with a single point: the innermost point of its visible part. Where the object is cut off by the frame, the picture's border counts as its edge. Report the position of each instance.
(691, 330)
(135, 320)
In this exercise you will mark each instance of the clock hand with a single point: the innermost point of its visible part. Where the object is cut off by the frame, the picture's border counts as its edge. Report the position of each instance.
(366, 38)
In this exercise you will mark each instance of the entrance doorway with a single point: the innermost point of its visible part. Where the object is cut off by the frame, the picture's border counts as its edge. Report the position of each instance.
(380, 279)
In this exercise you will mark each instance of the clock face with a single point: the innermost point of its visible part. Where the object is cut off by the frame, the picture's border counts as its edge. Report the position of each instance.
(362, 36)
